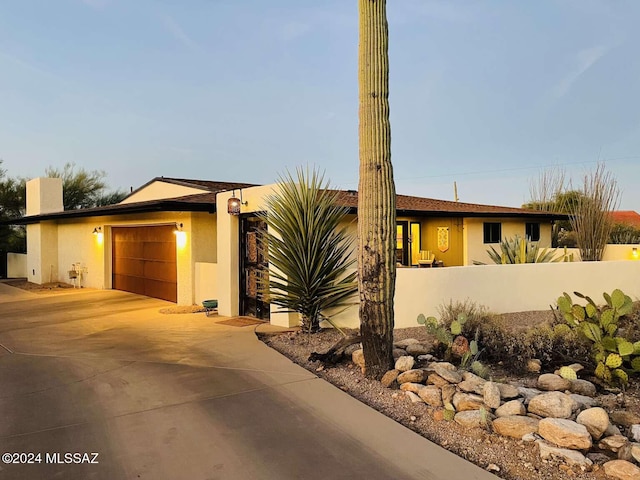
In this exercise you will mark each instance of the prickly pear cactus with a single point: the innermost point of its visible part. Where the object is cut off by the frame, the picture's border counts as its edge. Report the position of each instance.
(568, 373)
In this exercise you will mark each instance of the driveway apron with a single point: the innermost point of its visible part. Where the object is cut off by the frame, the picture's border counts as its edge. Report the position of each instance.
(101, 385)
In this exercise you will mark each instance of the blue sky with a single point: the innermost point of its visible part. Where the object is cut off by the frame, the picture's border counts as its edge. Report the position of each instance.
(484, 93)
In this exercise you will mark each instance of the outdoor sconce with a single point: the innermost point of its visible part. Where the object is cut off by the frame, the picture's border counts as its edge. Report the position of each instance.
(97, 230)
(634, 252)
(181, 236)
(234, 204)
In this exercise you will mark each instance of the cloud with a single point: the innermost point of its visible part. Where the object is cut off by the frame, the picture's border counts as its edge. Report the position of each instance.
(585, 59)
(178, 33)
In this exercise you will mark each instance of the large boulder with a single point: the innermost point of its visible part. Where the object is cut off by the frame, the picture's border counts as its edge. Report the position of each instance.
(622, 470)
(565, 433)
(552, 404)
(512, 407)
(404, 363)
(596, 420)
(467, 401)
(473, 419)
(515, 426)
(416, 375)
(571, 457)
(491, 395)
(472, 383)
(553, 383)
(447, 371)
(389, 378)
(582, 387)
(431, 395)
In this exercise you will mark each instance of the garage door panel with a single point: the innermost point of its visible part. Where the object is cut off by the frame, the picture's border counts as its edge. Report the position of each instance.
(160, 271)
(129, 266)
(159, 289)
(158, 250)
(144, 261)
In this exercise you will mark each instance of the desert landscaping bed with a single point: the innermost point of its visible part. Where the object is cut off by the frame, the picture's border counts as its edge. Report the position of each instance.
(473, 434)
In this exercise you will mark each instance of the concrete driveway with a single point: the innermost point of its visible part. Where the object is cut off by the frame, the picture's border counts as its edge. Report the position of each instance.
(179, 397)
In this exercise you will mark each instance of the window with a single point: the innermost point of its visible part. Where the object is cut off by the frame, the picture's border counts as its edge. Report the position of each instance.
(532, 231)
(492, 232)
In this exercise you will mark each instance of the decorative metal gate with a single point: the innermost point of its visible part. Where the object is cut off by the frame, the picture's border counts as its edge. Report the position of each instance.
(254, 266)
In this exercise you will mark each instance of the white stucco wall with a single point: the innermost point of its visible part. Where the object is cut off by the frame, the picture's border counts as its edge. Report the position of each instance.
(612, 252)
(206, 277)
(42, 252)
(476, 249)
(16, 265)
(158, 190)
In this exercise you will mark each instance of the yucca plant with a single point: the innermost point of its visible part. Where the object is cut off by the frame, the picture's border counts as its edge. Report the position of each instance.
(309, 249)
(521, 250)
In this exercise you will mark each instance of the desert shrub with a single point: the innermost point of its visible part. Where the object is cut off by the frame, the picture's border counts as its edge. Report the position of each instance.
(473, 313)
(624, 234)
(552, 342)
(520, 250)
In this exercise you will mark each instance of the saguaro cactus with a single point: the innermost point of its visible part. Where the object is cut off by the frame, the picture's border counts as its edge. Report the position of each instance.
(376, 192)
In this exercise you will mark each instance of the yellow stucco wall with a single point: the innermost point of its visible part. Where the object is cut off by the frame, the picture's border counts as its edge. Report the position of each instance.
(476, 249)
(158, 190)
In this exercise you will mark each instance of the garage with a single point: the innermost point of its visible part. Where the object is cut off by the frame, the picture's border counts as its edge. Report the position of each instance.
(144, 261)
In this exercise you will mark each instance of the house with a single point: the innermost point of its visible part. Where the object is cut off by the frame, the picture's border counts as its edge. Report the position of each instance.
(174, 239)
(626, 217)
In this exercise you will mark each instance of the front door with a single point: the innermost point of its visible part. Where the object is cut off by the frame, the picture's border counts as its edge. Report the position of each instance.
(254, 266)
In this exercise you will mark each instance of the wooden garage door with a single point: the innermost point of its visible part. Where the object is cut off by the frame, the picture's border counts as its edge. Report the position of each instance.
(144, 261)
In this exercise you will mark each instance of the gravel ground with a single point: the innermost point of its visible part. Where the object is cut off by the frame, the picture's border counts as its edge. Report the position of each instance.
(515, 459)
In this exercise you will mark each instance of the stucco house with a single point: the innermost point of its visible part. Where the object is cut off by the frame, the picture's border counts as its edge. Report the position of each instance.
(175, 239)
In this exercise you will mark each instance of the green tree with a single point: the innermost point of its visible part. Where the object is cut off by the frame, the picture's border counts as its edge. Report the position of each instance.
(376, 192)
(83, 188)
(309, 247)
(12, 204)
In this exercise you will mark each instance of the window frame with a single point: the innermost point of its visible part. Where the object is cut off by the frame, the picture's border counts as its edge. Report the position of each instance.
(488, 231)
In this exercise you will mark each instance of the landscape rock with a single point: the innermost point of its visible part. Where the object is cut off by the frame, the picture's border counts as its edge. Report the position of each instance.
(582, 387)
(598, 457)
(450, 375)
(357, 357)
(613, 443)
(431, 395)
(552, 404)
(467, 401)
(415, 376)
(491, 395)
(413, 397)
(448, 391)
(404, 363)
(553, 383)
(635, 451)
(625, 452)
(512, 407)
(389, 377)
(507, 392)
(528, 393)
(624, 418)
(583, 401)
(622, 470)
(565, 433)
(611, 430)
(426, 358)
(515, 426)
(411, 387)
(534, 365)
(417, 349)
(472, 419)
(406, 342)
(471, 383)
(635, 433)
(571, 457)
(596, 421)
(437, 380)
(398, 352)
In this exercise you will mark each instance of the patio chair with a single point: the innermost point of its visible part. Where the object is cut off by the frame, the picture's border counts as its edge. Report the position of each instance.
(426, 259)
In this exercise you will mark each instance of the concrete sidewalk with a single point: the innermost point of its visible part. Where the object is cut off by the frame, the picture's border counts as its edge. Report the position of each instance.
(182, 397)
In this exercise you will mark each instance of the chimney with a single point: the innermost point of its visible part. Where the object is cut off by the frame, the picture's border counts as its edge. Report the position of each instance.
(44, 195)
